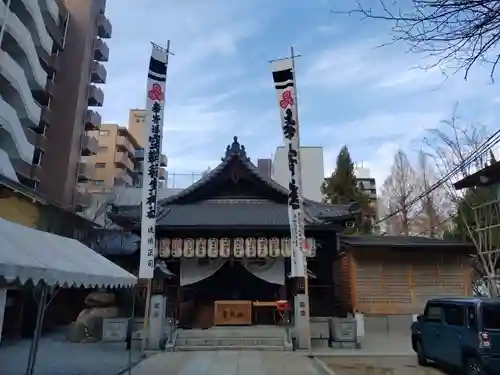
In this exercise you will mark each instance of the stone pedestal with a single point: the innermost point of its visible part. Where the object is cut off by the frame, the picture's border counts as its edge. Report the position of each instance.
(156, 321)
(360, 327)
(3, 300)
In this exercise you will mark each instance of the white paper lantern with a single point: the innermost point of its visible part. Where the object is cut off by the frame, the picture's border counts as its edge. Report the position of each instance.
(200, 247)
(188, 247)
(239, 247)
(286, 247)
(213, 248)
(262, 248)
(164, 248)
(250, 247)
(225, 247)
(177, 245)
(274, 247)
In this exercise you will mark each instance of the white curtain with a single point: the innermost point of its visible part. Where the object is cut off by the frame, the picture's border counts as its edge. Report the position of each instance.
(271, 270)
(194, 270)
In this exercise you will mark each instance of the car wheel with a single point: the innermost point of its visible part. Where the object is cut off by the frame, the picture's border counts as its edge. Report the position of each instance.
(422, 361)
(474, 367)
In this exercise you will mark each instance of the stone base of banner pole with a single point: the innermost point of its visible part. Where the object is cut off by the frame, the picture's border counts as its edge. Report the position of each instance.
(301, 316)
(301, 321)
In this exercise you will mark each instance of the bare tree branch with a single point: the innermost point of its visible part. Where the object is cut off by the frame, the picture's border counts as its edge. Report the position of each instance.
(458, 34)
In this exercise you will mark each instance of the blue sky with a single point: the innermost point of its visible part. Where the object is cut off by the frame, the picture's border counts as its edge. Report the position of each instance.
(220, 85)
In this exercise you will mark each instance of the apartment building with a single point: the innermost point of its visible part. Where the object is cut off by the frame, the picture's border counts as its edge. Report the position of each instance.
(30, 32)
(114, 163)
(51, 68)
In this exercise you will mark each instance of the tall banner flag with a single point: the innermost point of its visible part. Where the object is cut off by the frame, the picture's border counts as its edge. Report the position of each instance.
(155, 102)
(284, 83)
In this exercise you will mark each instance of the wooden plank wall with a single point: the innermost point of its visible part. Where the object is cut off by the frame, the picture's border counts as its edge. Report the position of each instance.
(384, 282)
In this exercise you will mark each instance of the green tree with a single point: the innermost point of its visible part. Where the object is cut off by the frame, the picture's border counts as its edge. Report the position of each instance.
(341, 188)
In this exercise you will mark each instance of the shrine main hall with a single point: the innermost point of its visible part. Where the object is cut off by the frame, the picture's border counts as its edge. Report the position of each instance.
(225, 242)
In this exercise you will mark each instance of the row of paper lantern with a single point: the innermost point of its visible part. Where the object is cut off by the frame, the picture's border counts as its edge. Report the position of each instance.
(249, 247)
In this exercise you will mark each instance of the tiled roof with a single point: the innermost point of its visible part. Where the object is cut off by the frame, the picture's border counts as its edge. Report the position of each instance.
(400, 241)
(176, 210)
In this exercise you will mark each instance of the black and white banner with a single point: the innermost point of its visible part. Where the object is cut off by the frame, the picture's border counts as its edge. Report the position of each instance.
(284, 83)
(157, 77)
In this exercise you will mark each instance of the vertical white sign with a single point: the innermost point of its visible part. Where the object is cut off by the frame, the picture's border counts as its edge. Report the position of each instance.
(157, 76)
(284, 83)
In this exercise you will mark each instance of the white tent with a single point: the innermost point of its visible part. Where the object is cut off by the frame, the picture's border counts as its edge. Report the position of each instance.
(43, 258)
(28, 254)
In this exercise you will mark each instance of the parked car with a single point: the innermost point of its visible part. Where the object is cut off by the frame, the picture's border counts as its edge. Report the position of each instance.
(462, 333)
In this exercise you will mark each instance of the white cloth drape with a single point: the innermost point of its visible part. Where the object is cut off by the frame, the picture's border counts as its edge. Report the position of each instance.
(192, 270)
(272, 271)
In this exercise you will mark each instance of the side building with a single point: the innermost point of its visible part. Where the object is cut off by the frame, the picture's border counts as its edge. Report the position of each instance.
(51, 65)
(30, 36)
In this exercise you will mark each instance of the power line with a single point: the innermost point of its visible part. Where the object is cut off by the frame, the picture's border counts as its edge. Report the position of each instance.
(483, 148)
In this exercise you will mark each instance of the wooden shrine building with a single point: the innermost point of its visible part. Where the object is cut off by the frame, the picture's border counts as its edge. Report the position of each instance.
(226, 238)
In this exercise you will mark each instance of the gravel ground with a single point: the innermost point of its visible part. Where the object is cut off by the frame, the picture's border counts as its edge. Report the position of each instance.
(58, 357)
(378, 366)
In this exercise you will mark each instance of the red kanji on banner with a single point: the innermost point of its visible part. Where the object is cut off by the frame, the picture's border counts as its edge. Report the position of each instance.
(286, 99)
(155, 93)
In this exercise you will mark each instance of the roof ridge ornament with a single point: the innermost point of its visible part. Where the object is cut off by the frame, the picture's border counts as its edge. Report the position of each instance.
(235, 149)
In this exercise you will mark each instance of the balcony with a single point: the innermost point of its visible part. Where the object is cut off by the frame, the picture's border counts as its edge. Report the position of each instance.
(101, 51)
(38, 140)
(46, 116)
(92, 120)
(122, 160)
(99, 73)
(123, 144)
(163, 160)
(36, 172)
(83, 199)
(90, 146)
(162, 174)
(96, 97)
(50, 88)
(85, 171)
(123, 178)
(104, 28)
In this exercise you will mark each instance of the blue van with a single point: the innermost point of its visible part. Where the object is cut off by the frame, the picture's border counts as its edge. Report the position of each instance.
(463, 333)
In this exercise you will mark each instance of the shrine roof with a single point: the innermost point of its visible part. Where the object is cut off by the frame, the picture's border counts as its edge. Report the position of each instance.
(192, 206)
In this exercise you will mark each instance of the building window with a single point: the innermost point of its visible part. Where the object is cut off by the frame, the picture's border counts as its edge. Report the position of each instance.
(37, 157)
(103, 149)
(104, 133)
(100, 165)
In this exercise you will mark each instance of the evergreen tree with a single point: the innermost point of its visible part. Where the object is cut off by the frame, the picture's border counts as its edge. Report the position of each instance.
(341, 188)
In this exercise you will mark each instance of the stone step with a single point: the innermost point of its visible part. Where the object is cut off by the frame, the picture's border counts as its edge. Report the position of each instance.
(186, 348)
(230, 341)
(223, 332)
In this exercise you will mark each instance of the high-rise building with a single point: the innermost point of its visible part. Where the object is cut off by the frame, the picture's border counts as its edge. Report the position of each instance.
(52, 51)
(312, 166)
(30, 31)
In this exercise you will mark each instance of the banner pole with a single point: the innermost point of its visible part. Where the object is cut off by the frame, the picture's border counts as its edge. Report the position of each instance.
(306, 276)
(155, 106)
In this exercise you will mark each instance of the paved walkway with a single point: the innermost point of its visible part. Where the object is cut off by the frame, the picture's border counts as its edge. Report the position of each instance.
(227, 363)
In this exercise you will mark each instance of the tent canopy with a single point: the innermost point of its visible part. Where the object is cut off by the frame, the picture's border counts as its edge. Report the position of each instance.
(28, 254)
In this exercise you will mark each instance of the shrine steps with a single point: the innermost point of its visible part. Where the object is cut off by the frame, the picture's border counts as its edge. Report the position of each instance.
(233, 338)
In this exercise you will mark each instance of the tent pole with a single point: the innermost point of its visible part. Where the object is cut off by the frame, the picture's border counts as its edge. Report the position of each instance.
(132, 322)
(38, 329)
